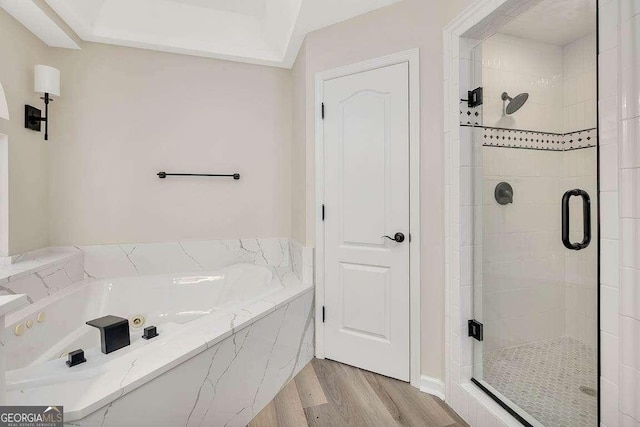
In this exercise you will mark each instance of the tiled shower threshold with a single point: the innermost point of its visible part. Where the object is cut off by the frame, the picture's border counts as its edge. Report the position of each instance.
(550, 380)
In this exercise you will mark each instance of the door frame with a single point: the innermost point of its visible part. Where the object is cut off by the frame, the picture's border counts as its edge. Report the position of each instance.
(412, 57)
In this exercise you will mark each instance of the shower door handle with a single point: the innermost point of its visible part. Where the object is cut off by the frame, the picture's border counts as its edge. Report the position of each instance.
(586, 219)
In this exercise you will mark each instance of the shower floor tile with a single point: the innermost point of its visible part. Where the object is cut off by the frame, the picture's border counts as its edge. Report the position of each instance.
(546, 380)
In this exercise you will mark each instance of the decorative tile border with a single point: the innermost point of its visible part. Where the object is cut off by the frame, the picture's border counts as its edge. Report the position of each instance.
(581, 139)
(513, 138)
(496, 137)
(518, 138)
(470, 116)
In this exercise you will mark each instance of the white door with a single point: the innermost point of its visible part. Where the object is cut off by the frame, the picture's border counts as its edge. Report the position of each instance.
(366, 142)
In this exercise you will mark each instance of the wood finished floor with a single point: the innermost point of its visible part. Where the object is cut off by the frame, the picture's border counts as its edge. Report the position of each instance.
(328, 393)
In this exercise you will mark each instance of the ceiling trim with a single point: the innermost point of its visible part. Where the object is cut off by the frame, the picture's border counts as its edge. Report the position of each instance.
(229, 31)
(36, 20)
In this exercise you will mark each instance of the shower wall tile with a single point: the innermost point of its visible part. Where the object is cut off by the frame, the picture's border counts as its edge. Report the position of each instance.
(608, 25)
(609, 309)
(614, 296)
(630, 52)
(609, 262)
(629, 390)
(520, 241)
(609, 402)
(608, 69)
(630, 255)
(630, 288)
(609, 175)
(608, 122)
(630, 144)
(629, 164)
(609, 224)
(630, 69)
(524, 264)
(629, 9)
(610, 346)
(579, 84)
(627, 421)
(630, 335)
(516, 65)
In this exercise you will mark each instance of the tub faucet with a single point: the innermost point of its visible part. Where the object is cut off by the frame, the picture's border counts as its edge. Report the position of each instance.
(114, 332)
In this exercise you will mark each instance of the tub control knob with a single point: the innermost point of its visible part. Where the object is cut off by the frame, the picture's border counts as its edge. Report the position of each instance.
(76, 357)
(19, 329)
(150, 332)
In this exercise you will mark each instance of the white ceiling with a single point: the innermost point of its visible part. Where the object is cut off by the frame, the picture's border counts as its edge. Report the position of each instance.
(268, 32)
(557, 22)
(245, 7)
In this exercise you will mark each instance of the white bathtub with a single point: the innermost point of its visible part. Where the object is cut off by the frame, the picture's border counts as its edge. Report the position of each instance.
(193, 313)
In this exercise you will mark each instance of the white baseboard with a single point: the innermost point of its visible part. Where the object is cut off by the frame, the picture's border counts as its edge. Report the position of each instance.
(432, 386)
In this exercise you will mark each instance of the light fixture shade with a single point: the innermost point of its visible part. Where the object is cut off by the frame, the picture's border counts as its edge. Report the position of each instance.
(47, 80)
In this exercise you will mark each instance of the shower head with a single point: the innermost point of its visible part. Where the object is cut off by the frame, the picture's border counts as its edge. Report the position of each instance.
(514, 103)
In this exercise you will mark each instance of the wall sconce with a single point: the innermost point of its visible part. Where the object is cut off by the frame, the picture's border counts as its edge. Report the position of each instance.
(46, 83)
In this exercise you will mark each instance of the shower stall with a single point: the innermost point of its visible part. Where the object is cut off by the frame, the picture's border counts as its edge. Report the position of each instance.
(533, 125)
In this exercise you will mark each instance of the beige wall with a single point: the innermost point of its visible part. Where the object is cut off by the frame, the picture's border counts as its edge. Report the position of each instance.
(405, 25)
(298, 149)
(126, 114)
(28, 153)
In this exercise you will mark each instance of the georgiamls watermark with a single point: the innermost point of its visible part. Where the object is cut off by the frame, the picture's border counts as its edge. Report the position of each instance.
(31, 416)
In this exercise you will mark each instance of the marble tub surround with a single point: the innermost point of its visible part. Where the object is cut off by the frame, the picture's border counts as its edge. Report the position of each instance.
(302, 261)
(16, 258)
(45, 271)
(228, 383)
(41, 273)
(122, 260)
(106, 380)
(8, 303)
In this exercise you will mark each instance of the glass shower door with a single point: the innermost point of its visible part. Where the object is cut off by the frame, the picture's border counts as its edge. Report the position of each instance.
(535, 257)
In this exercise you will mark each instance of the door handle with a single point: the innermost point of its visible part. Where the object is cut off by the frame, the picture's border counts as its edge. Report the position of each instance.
(398, 237)
(586, 219)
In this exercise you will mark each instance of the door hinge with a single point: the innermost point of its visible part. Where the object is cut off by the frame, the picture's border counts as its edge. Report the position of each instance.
(322, 108)
(474, 97)
(475, 330)
(323, 314)
(323, 212)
